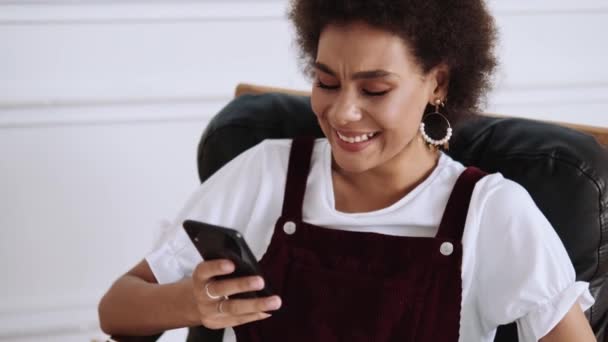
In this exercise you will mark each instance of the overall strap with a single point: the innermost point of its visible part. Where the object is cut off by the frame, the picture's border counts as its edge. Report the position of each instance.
(455, 214)
(297, 175)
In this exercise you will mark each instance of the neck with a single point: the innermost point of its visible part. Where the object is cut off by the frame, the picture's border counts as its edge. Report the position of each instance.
(380, 187)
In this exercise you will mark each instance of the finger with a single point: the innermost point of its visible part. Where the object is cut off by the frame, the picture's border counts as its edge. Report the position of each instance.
(233, 321)
(212, 268)
(233, 286)
(243, 319)
(239, 307)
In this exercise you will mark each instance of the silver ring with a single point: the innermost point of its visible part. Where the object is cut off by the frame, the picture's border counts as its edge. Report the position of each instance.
(209, 293)
(220, 304)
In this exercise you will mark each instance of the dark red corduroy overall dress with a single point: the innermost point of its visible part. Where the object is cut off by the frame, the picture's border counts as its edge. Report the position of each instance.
(351, 286)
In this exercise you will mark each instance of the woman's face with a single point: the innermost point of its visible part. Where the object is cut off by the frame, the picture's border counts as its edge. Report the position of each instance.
(369, 97)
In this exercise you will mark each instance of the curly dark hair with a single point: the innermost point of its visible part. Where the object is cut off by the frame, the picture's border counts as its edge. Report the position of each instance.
(460, 33)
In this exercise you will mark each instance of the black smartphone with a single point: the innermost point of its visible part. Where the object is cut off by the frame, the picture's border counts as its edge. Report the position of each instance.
(214, 242)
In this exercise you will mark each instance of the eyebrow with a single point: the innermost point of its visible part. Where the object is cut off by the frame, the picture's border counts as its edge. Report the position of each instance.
(358, 75)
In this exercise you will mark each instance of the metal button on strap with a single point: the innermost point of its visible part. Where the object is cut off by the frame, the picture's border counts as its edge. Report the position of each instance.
(446, 248)
(289, 228)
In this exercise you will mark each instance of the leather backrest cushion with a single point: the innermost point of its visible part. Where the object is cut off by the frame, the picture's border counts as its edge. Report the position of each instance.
(565, 171)
(249, 119)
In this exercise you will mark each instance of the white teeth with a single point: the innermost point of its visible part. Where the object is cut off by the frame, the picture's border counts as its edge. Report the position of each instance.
(357, 139)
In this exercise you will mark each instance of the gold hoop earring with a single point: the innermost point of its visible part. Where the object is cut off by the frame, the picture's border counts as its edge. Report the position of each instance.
(436, 143)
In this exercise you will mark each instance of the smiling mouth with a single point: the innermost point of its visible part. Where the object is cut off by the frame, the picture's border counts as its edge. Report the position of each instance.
(358, 138)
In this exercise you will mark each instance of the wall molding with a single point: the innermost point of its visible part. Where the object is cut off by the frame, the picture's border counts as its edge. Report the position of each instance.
(50, 323)
(557, 90)
(202, 109)
(551, 94)
(109, 12)
(546, 7)
(17, 305)
(48, 316)
(109, 112)
(110, 102)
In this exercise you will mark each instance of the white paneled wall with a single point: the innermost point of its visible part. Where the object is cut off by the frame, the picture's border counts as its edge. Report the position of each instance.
(102, 104)
(552, 60)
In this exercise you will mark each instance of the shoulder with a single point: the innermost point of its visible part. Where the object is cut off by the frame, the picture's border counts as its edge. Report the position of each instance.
(495, 187)
(268, 147)
(238, 184)
(518, 259)
(503, 199)
(503, 215)
(280, 148)
(493, 196)
(260, 170)
(283, 146)
(276, 152)
(276, 145)
(262, 157)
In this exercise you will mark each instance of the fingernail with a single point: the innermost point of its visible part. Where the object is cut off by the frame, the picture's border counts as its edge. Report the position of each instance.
(273, 303)
(227, 266)
(257, 283)
(265, 315)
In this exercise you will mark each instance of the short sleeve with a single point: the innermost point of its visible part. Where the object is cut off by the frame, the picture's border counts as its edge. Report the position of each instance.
(524, 273)
(227, 198)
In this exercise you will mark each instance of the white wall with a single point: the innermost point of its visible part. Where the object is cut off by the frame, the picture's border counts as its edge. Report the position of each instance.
(553, 60)
(102, 104)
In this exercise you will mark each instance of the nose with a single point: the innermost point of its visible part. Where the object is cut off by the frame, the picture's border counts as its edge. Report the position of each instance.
(344, 111)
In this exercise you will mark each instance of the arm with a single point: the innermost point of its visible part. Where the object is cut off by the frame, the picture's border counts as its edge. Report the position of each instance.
(573, 327)
(137, 305)
(529, 277)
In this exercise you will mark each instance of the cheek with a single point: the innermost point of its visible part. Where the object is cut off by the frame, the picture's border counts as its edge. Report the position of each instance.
(399, 114)
(392, 114)
(404, 112)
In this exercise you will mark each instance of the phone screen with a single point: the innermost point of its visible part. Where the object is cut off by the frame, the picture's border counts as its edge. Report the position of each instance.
(214, 242)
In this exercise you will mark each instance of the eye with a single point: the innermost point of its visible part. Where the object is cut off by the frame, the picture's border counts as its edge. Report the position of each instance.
(326, 86)
(375, 93)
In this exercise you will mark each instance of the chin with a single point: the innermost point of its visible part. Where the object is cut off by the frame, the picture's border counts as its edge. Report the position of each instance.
(352, 165)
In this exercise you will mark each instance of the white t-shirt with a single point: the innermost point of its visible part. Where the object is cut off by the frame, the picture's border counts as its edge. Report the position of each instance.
(514, 266)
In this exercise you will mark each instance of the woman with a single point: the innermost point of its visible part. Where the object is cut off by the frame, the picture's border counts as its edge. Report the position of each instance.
(371, 232)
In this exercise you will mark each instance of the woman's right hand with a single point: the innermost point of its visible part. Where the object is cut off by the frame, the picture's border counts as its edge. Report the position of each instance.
(215, 309)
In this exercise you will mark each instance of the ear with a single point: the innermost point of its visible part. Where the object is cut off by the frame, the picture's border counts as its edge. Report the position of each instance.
(440, 80)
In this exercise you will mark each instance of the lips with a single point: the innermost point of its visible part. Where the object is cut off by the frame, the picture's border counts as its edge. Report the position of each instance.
(354, 141)
(355, 138)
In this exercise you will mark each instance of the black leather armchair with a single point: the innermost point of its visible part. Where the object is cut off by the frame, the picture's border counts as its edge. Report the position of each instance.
(565, 171)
